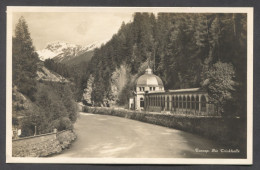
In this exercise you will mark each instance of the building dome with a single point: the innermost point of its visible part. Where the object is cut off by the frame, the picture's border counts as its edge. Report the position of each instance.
(149, 79)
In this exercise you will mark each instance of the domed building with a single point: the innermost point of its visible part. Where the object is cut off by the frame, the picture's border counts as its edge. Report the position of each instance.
(149, 82)
(150, 96)
(145, 84)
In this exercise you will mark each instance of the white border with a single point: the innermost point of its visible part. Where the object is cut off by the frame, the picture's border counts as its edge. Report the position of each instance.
(248, 161)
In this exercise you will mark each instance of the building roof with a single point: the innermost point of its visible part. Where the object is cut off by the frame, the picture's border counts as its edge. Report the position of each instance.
(149, 79)
(185, 90)
(190, 90)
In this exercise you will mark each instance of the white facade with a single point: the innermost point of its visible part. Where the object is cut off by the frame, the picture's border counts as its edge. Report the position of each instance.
(145, 84)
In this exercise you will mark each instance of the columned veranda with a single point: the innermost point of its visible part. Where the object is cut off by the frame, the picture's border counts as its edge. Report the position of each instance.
(196, 104)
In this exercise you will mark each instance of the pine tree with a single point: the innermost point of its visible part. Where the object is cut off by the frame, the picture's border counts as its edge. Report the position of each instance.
(183, 47)
(24, 60)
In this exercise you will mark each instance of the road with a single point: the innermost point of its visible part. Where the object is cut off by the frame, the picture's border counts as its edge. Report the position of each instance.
(110, 136)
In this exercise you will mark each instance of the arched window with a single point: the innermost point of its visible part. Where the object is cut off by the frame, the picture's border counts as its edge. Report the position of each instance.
(188, 102)
(141, 102)
(168, 103)
(180, 102)
(173, 103)
(197, 102)
(192, 102)
(163, 101)
(184, 102)
(203, 103)
(177, 102)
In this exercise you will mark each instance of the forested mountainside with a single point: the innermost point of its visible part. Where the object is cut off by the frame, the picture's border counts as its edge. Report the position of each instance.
(42, 100)
(70, 61)
(185, 50)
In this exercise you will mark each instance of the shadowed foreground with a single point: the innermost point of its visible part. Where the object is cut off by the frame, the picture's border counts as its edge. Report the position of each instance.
(109, 136)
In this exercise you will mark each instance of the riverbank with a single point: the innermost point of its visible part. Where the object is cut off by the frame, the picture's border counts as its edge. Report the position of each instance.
(43, 145)
(227, 131)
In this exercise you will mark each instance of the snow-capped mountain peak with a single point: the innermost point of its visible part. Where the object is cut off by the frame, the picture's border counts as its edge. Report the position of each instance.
(63, 51)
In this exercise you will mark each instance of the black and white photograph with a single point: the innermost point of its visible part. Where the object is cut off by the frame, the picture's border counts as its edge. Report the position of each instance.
(129, 85)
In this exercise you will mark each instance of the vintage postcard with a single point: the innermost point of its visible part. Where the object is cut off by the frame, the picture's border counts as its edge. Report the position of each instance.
(129, 85)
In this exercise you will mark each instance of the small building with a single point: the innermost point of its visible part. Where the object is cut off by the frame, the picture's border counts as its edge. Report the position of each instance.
(151, 96)
(146, 83)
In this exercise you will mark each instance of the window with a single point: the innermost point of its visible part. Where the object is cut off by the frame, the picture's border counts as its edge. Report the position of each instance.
(180, 102)
(188, 102)
(192, 102)
(184, 102)
(168, 103)
(143, 88)
(197, 102)
(140, 89)
(141, 102)
(153, 88)
(203, 103)
(173, 103)
(177, 102)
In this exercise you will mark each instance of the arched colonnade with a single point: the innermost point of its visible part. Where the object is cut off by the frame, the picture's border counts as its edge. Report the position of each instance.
(178, 103)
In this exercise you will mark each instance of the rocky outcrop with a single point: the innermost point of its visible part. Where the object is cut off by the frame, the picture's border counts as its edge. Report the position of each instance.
(43, 74)
(65, 138)
(118, 80)
(21, 106)
(87, 91)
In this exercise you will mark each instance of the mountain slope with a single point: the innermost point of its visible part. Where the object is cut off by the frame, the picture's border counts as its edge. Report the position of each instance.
(59, 50)
(68, 53)
(85, 57)
(44, 74)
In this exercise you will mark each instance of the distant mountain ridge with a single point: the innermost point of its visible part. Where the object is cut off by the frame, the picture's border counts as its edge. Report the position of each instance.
(64, 52)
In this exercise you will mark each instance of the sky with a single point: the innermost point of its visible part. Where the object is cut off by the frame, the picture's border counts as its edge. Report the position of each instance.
(77, 28)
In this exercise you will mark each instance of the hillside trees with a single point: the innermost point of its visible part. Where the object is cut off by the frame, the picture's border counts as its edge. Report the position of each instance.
(44, 105)
(24, 60)
(59, 68)
(181, 49)
(219, 83)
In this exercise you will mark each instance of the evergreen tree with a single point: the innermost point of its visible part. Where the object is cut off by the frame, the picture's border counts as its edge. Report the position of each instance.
(181, 49)
(24, 60)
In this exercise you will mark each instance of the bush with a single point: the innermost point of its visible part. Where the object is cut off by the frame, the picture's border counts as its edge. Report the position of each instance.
(54, 109)
(62, 124)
